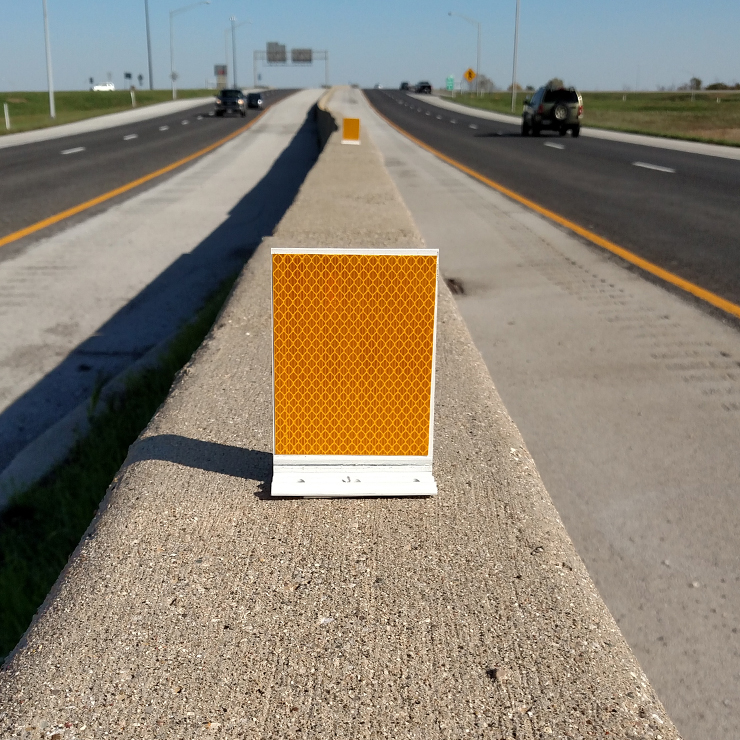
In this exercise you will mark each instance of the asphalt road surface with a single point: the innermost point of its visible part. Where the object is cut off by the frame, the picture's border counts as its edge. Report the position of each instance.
(42, 179)
(678, 210)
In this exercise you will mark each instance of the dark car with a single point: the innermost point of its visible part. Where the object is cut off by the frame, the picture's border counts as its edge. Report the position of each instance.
(231, 101)
(404, 86)
(255, 100)
(424, 87)
(558, 110)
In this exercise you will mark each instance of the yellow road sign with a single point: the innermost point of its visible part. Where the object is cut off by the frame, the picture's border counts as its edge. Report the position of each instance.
(470, 75)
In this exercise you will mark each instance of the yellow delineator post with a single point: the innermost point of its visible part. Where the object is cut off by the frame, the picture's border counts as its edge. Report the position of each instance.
(351, 131)
(353, 371)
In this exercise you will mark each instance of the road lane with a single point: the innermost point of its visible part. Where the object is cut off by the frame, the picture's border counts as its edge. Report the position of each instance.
(38, 181)
(688, 223)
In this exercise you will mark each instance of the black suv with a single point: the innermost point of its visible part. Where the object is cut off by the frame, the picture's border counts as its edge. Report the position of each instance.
(231, 101)
(424, 87)
(558, 110)
(404, 86)
(254, 100)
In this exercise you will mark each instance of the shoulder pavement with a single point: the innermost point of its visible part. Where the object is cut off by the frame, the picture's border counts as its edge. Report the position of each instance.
(658, 142)
(197, 603)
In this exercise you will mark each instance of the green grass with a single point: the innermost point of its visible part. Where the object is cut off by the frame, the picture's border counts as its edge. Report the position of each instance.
(41, 527)
(30, 110)
(672, 114)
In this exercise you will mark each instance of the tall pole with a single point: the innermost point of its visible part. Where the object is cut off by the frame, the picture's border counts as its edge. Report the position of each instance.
(173, 13)
(233, 46)
(477, 66)
(172, 58)
(49, 75)
(516, 51)
(148, 44)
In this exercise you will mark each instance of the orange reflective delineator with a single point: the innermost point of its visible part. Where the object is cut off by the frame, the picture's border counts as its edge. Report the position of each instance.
(351, 131)
(353, 371)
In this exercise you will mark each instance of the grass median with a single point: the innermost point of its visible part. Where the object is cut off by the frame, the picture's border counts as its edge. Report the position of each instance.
(42, 526)
(712, 116)
(30, 110)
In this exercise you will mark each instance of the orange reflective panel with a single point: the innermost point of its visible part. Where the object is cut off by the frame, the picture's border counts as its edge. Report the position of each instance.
(353, 352)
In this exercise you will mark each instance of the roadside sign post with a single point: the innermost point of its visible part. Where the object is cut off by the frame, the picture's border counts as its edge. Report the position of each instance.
(353, 371)
(450, 84)
(7, 116)
(470, 75)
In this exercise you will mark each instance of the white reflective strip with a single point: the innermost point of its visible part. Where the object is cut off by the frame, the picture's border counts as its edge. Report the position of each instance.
(75, 150)
(655, 167)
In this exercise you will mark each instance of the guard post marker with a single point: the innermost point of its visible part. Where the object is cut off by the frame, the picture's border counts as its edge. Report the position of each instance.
(353, 348)
(351, 131)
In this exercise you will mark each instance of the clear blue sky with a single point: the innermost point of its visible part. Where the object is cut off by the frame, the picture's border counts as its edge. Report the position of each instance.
(592, 44)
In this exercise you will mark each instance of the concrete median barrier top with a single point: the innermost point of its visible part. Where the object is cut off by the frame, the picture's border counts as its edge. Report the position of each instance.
(196, 603)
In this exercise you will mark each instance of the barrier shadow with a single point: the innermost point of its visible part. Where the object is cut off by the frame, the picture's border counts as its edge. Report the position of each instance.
(164, 305)
(212, 457)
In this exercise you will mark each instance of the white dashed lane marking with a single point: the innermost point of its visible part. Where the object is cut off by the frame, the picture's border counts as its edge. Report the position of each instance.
(472, 125)
(185, 123)
(75, 150)
(553, 145)
(164, 128)
(130, 136)
(655, 167)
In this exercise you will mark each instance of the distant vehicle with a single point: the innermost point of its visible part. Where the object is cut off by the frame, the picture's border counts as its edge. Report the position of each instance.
(378, 86)
(558, 110)
(255, 100)
(104, 87)
(231, 101)
(404, 86)
(424, 88)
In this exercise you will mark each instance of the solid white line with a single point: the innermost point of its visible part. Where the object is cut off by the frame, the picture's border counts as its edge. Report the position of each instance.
(75, 150)
(131, 136)
(553, 145)
(164, 128)
(656, 167)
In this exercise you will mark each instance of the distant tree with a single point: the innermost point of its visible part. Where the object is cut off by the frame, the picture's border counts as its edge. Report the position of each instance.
(519, 88)
(718, 86)
(695, 83)
(486, 84)
(529, 88)
(555, 83)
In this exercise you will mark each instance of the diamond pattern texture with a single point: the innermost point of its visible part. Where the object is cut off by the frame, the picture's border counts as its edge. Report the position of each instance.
(353, 342)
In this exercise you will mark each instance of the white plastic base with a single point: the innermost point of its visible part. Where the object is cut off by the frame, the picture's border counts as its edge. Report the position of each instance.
(351, 141)
(350, 481)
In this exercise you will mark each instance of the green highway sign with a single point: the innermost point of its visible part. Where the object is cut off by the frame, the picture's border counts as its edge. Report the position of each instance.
(451, 82)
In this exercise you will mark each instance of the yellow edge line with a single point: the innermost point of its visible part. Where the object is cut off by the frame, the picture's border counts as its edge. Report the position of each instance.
(653, 269)
(123, 189)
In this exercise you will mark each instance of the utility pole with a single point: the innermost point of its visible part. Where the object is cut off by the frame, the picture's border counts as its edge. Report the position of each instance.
(233, 45)
(516, 49)
(148, 44)
(49, 75)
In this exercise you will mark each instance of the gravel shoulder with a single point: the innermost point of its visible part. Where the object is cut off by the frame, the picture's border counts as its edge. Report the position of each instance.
(196, 603)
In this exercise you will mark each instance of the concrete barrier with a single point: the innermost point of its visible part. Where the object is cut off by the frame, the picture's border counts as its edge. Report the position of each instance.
(195, 604)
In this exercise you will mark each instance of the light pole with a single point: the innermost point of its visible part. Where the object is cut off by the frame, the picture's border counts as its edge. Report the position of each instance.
(148, 44)
(234, 26)
(477, 64)
(49, 75)
(516, 49)
(173, 13)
